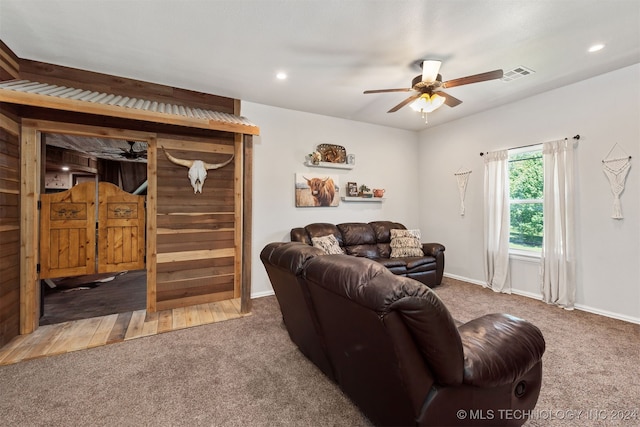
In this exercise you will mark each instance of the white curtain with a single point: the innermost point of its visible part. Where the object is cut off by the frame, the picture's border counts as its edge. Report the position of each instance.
(496, 221)
(557, 263)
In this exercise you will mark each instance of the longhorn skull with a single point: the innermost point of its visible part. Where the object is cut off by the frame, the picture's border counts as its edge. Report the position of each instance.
(197, 169)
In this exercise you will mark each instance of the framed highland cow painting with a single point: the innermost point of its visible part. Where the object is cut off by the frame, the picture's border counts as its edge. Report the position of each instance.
(317, 190)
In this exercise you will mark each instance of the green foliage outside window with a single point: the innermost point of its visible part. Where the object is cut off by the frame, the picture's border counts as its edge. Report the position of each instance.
(526, 192)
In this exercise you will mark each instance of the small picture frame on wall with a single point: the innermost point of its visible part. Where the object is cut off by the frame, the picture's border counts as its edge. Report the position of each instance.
(352, 189)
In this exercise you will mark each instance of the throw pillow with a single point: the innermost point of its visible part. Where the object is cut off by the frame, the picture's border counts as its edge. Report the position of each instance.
(405, 243)
(329, 244)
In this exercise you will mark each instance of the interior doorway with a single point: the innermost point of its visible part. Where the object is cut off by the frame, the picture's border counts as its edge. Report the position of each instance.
(75, 161)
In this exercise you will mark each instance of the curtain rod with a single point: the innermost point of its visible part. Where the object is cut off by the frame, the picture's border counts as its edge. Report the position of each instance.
(530, 145)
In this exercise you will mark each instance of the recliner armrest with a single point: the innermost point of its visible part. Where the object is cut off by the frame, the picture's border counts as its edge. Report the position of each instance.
(499, 349)
(290, 256)
(432, 249)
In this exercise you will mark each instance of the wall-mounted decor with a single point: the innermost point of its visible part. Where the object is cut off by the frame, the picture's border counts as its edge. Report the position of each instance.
(317, 190)
(197, 169)
(462, 176)
(616, 170)
(57, 181)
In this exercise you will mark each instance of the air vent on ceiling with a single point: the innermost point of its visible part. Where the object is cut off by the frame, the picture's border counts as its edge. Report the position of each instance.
(516, 73)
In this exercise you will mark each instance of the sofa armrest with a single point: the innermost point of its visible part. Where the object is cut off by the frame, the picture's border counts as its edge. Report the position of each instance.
(499, 349)
(432, 249)
(299, 234)
(436, 250)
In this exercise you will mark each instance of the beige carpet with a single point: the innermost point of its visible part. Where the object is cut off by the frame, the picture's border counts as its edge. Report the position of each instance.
(246, 372)
(591, 367)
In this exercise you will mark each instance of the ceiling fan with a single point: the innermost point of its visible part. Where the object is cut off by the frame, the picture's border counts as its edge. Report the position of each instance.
(428, 88)
(131, 153)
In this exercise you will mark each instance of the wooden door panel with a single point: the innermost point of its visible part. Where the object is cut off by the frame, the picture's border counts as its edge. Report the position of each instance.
(67, 232)
(121, 225)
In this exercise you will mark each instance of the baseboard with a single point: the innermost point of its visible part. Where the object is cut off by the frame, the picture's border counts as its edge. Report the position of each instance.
(606, 313)
(262, 294)
(464, 279)
(538, 297)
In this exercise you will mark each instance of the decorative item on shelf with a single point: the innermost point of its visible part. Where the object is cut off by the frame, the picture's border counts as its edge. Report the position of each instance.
(351, 159)
(365, 191)
(378, 192)
(315, 157)
(332, 153)
(352, 189)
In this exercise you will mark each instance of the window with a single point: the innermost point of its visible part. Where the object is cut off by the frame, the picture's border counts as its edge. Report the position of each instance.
(526, 177)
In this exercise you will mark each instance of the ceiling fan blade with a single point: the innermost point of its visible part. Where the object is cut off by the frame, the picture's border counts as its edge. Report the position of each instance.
(449, 100)
(476, 78)
(405, 102)
(388, 90)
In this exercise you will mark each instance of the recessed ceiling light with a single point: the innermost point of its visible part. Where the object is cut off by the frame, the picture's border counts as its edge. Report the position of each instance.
(596, 47)
(65, 168)
(281, 75)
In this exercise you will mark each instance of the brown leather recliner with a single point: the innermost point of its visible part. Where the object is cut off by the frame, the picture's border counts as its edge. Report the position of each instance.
(372, 240)
(393, 348)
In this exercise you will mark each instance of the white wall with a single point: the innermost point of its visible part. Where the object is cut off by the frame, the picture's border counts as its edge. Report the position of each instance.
(603, 110)
(385, 158)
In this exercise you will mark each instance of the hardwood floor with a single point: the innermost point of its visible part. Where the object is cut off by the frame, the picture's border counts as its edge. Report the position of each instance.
(49, 340)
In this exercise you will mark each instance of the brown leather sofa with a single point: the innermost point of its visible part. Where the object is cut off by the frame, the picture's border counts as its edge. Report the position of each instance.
(372, 240)
(393, 348)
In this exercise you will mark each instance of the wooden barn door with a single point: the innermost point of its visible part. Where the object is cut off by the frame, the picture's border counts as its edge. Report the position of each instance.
(68, 231)
(121, 219)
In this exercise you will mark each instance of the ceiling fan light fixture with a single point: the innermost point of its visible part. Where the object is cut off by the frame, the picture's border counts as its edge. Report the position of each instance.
(428, 103)
(430, 70)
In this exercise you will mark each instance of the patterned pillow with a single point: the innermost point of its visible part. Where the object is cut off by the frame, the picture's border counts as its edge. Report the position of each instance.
(329, 244)
(405, 243)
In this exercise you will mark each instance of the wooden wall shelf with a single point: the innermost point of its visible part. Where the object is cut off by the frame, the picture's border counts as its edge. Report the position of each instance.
(328, 165)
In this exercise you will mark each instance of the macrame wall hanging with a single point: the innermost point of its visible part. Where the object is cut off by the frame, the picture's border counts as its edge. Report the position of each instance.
(463, 177)
(616, 170)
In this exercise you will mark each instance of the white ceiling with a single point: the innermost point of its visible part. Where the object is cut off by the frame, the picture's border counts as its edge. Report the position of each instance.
(332, 50)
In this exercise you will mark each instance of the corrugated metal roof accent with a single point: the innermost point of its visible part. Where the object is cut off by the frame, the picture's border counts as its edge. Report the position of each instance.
(193, 115)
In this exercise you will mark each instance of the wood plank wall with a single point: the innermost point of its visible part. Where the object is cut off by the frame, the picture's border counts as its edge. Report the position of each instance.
(82, 79)
(9, 63)
(9, 225)
(57, 156)
(196, 244)
(199, 252)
